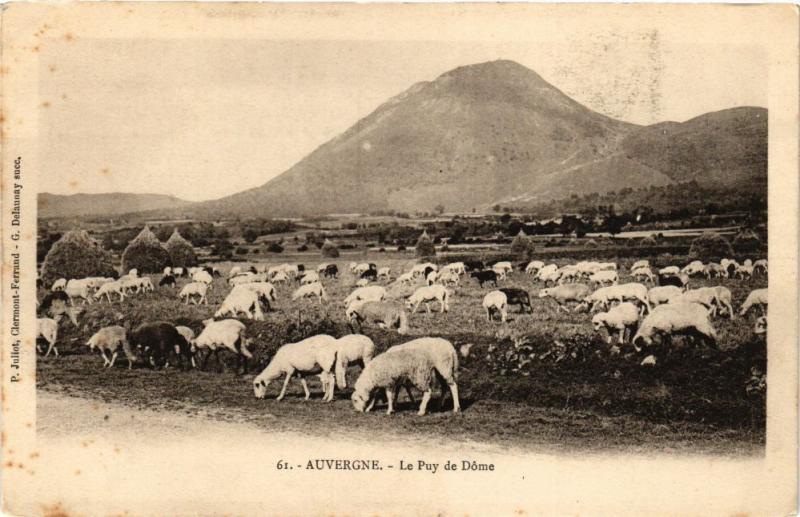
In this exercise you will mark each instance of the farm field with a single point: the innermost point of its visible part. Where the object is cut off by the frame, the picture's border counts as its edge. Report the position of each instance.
(544, 381)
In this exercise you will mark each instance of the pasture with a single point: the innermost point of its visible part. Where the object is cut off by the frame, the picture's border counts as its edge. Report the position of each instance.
(544, 380)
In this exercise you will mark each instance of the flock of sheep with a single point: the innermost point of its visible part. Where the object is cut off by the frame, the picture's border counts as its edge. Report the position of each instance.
(650, 315)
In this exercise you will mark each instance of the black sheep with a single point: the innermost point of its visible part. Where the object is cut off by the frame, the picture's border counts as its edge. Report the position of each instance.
(159, 340)
(331, 271)
(474, 265)
(518, 297)
(485, 276)
(370, 274)
(168, 280)
(676, 280)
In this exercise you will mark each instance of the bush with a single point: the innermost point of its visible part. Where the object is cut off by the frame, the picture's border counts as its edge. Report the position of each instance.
(274, 247)
(591, 243)
(302, 247)
(76, 255)
(401, 248)
(746, 238)
(648, 241)
(329, 249)
(181, 252)
(241, 250)
(522, 246)
(424, 247)
(710, 246)
(145, 253)
(222, 248)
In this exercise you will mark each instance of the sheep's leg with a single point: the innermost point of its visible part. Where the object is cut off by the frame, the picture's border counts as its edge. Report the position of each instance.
(285, 384)
(426, 397)
(49, 347)
(205, 361)
(220, 366)
(454, 394)
(390, 400)
(621, 336)
(305, 388)
(113, 360)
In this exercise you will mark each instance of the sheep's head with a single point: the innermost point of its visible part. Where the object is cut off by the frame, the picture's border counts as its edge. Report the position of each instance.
(598, 321)
(544, 293)
(761, 325)
(640, 340)
(260, 387)
(581, 307)
(359, 401)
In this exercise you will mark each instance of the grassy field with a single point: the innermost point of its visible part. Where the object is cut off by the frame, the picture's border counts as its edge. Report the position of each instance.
(544, 380)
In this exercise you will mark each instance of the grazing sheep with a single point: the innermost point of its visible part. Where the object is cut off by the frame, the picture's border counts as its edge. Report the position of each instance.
(643, 274)
(309, 278)
(744, 271)
(501, 272)
(503, 266)
(533, 267)
(680, 280)
(179, 271)
(59, 284)
(279, 278)
(241, 278)
(566, 293)
(663, 294)
(604, 277)
(244, 301)
(695, 267)
(188, 335)
(549, 276)
(519, 297)
(760, 266)
(544, 270)
(362, 282)
(474, 265)
(157, 341)
(723, 300)
(331, 271)
(704, 296)
(669, 270)
(756, 298)
(640, 264)
(496, 301)
(713, 269)
(111, 287)
(217, 335)
(459, 268)
(112, 339)
(194, 288)
(485, 276)
(55, 304)
(446, 277)
(354, 349)
(618, 293)
(311, 356)
(688, 319)
(623, 317)
(202, 276)
(405, 279)
(308, 290)
(427, 294)
(47, 328)
(360, 268)
(385, 314)
(264, 289)
(235, 270)
(78, 289)
(418, 361)
(373, 293)
(167, 280)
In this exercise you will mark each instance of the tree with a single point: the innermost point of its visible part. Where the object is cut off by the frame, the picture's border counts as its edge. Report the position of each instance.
(222, 248)
(76, 255)
(275, 247)
(250, 235)
(329, 249)
(145, 254)
(522, 245)
(710, 246)
(180, 251)
(439, 209)
(424, 246)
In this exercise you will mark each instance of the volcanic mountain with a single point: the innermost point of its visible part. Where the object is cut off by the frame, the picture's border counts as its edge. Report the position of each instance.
(497, 132)
(54, 205)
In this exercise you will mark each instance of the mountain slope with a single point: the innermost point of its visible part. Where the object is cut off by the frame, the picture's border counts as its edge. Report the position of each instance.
(53, 205)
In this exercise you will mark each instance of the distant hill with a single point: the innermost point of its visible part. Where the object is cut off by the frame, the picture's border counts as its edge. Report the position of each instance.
(53, 205)
(494, 133)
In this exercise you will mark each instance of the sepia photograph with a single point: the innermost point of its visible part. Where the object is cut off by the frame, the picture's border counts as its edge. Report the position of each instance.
(323, 259)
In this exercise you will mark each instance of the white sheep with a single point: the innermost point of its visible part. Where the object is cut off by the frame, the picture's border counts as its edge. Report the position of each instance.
(689, 319)
(566, 293)
(279, 278)
(112, 339)
(458, 268)
(350, 350)
(663, 294)
(695, 267)
(544, 270)
(405, 279)
(78, 289)
(108, 289)
(202, 276)
(760, 266)
(533, 267)
(756, 298)
(713, 269)
(308, 290)
(447, 277)
(504, 266)
(373, 293)
(420, 361)
(360, 268)
(640, 264)
(385, 272)
(643, 274)
(265, 289)
(548, 276)
(235, 270)
(496, 301)
(568, 274)
(618, 293)
(59, 284)
(311, 356)
(427, 294)
(669, 270)
(47, 328)
(623, 317)
(604, 277)
(362, 282)
(194, 288)
(244, 301)
(386, 315)
(419, 269)
(744, 271)
(309, 278)
(500, 271)
(217, 335)
(241, 278)
(322, 267)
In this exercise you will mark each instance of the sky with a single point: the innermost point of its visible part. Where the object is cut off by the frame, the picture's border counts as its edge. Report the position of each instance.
(201, 118)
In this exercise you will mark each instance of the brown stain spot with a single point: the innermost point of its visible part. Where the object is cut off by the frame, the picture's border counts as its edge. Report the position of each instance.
(46, 104)
(52, 68)
(116, 449)
(77, 472)
(35, 49)
(72, 184)
(104, 171)
(9, 464)
(64, 96)
(34, 455)
(69, 36)
(55, 510)
(20, 466)
(28, 425)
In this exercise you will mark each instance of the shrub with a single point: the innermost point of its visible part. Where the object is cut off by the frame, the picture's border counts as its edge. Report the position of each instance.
(329, 249)
(424, 247)
(222, 248)
(274, 247)
(746, 238)
(241, 250)
(181, 252)
(302, 247)
(76, 255)
(648, 241)
(401, 248)
(710, 246)
(522, 246)
(145, 253)
(591, 243)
